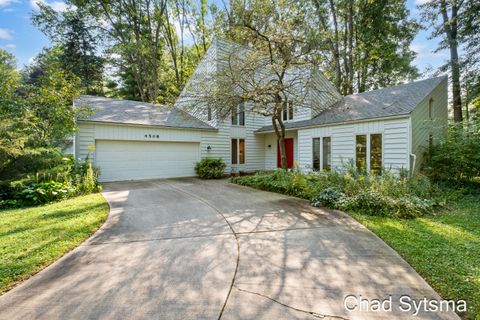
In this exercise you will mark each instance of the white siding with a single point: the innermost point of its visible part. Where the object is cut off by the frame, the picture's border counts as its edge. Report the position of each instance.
(423, 127)
(395, 137)
(254, 143)
(219, 142)
(84, 140)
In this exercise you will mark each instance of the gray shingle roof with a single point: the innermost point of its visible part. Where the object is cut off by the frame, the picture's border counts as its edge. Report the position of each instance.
(134, 112)
(386, 102)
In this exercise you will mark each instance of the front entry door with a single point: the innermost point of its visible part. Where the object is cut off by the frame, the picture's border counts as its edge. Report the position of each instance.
(289, 151)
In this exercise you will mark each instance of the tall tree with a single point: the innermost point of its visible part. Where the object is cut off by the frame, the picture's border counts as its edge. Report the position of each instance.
(364, 44)
(446, 17)
(269, 73)
(73, 32)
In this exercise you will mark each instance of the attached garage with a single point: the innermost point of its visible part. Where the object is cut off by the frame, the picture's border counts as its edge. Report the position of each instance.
(136, 160)
(130, 140)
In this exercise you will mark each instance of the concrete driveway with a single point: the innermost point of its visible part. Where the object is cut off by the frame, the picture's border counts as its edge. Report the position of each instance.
(191, 249)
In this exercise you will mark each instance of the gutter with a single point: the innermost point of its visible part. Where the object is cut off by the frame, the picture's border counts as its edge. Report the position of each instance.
(146, 125)
(340, 123)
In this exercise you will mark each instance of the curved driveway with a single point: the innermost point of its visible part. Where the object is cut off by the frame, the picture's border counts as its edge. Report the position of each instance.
(191, 249)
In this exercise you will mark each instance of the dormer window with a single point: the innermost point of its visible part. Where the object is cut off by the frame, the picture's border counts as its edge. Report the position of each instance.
(238, 115)
(287, 112)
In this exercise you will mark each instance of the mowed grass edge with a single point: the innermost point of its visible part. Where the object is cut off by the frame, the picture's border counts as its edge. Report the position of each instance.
(33, 238)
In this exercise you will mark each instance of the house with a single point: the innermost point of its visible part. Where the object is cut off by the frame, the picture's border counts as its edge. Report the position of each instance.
(389, 128)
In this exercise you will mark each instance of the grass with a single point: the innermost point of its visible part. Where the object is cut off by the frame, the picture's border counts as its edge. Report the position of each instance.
(443, 248)
(33, 238)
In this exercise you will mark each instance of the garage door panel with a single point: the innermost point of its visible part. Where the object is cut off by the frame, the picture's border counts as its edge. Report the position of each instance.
(134, 160)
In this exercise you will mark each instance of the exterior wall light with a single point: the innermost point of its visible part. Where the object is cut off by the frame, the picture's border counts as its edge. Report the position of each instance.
(209, 148)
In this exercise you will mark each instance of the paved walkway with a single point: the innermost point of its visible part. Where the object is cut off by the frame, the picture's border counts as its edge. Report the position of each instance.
(191, 249)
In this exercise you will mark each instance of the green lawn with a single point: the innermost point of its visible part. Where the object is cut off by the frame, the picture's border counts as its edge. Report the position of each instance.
(444, 249)
(32, 238)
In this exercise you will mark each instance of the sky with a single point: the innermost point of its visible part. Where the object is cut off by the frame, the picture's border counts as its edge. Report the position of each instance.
(20, 37)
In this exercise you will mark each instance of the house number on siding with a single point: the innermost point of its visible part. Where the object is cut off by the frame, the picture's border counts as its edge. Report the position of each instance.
(152, 136)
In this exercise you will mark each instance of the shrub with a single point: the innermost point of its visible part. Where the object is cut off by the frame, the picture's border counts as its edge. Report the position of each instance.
(210, 168)
(39, 160)
(44, 192)
(327, 198)
(85, 177)
(349, 191)
(67, 178)
(457, 158)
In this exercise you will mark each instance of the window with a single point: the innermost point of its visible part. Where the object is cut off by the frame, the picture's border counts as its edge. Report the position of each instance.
(287, 112)
(361, 153)
(238, 151)
(322, 161)
(316, 153)
(209, 113)
(376, 153)
(372, 146)
(430, 109)
(326, 153)
(238, 115)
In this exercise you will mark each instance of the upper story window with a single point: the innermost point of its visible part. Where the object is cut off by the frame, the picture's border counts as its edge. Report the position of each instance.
(209, 113)
(430, 109)
(287, 112)
(238, 115)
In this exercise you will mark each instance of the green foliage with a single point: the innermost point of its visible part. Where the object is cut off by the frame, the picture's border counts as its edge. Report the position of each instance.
(71, 31)
(457, 158)
(43, 175)
(326, 198)
(384, 195)
(9, 76)
(44, 192)
(35, 160)
(210, 168)
(34, 237)
(85, 177)
(442, 247)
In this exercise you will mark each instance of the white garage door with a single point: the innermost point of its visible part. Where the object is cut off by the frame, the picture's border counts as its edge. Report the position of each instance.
(135, 160)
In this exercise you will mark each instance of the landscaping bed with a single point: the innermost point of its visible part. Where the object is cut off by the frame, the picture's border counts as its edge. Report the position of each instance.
(32, 238)
(435, 229)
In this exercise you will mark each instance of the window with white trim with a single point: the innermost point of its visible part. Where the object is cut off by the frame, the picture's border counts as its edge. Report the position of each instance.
(238, 115)
(321, 153)
(368, 153)
(287, 111)
(238, 151)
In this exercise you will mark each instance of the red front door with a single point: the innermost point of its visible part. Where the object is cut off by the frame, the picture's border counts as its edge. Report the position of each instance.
(289, 150)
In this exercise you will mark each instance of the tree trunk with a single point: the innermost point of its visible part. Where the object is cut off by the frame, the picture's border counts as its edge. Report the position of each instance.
(335, 46)
(280, 133)
(350, 46)
(450, 28)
